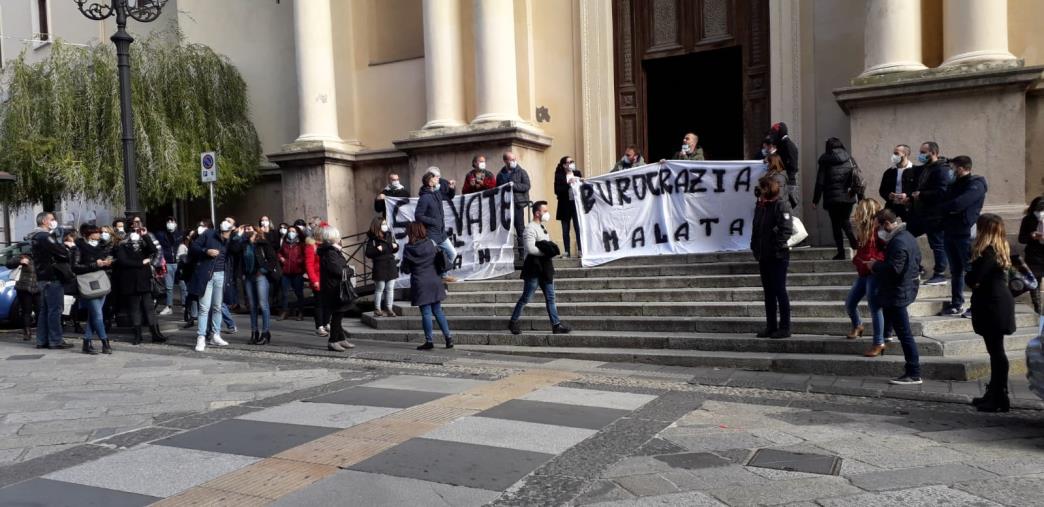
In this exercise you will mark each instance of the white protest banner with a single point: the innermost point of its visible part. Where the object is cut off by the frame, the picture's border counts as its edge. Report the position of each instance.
(677, 207)
(479, 225)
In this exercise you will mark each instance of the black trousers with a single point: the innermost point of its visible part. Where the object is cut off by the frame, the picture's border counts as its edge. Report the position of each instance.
(336, 330)
(998, 360)
(571, 218)
(27, 302)
(774, 282)
(841, 224)
(141, 308)
(321, 315)
(520, 229)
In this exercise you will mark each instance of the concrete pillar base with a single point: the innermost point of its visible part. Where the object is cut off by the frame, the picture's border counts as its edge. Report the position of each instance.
(318, 180)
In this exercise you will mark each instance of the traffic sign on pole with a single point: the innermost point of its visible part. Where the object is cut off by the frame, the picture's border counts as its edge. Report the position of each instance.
(208, 167)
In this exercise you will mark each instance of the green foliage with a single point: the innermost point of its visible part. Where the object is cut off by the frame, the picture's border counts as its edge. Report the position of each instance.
(60, 127)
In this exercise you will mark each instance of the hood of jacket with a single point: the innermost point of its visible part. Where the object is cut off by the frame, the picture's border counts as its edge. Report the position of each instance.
(895, 232)
(416, 252)
(34, 232)
(835, 157)
(967, 180)
(427, 190)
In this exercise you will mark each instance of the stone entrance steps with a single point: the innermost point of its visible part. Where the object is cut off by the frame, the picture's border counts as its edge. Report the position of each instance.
(461, 294)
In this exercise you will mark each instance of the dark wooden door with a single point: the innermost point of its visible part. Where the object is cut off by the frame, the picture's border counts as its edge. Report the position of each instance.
(647, 30)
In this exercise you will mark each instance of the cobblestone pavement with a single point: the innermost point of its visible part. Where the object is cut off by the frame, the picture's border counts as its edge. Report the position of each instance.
(389, 426)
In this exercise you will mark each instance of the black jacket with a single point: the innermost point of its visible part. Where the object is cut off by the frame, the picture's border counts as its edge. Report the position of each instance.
(933, 182)
(834, 178)
(385, 267)
(520, 178)
(963, 205)
(566, 207)
(265, 259)
(378, 204)
(426, 287)
(771, 230)
(992, 305)
(429, 212)
(788, 152)
(1034, 254)
(888, 187)
(331, 265)
(135, 277)
(169, 242)
(47, 253)
(897, 274)
(86, 257)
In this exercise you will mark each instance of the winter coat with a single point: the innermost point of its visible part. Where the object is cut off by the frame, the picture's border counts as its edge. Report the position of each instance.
(135, 277)
(897, 274)
(86, 257)
(255, 258)
(788, 152)
(426, 287)
(696, 155)
(478, 180)
(566, 205)
(623, 166)
(429, 211)
(888, 186)
(992, 305)
(784, 189)
(520, 190)
(331, 266)
(872, 250)
(537, 264)
(312, 263)
(292, 257)
(379, 205)
(169, 242)
(963, 205)
(47, 253)
(834, 178)
(26, 281)
(205, 264)
(933, 181)
(1034, 254)
(771, 230)
(385, 267)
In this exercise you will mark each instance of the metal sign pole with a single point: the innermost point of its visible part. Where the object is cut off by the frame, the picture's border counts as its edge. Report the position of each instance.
(213, 219)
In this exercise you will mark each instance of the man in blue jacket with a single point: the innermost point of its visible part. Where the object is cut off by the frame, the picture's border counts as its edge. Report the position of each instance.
(961, 210)
(897, 277)
(933, 179)
(430, 212)
(210, 250)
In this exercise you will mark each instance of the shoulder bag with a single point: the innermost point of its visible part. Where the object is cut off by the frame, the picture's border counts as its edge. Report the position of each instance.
(94, 285)
(346, 288)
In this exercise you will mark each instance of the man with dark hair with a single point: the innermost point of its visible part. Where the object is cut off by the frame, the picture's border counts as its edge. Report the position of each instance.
(898, 181)
(631, 158)
(933, 178)
(960, 210)
(478, 179)
(393, 189)
(538, 270)
(788, 154)
(48, 252)
(897, 289)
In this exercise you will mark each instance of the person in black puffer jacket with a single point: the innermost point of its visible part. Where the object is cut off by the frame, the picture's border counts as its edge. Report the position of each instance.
(134, 260)
(834, 187)
(27, 293)
(1030, 235)
(770, 232)
(381, 248)
(331, 266)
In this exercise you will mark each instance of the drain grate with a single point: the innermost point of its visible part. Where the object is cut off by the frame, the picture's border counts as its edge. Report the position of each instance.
(25, 357)
(796, 462)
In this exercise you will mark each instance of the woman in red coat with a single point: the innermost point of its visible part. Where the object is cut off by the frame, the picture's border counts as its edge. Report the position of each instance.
(292, 259)
(311, 260)
(870, 249)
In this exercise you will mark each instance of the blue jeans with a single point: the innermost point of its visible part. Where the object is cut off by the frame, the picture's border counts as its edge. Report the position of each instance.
(937, 244)
(866, 286)
(900, 320)
(226, 317)
(451, 254)
(49, 320)
(168, 282)
(529, 287)
(295, 282)
(95, 318)
(958, 252)
(384, 290)
(231, 290)
(426, 313)
(257, 296)
(210, 303)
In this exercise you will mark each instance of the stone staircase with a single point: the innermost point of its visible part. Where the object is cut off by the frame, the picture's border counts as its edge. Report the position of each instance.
(703, 310)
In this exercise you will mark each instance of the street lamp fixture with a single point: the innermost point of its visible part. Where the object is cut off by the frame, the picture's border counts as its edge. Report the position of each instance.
(144, 11)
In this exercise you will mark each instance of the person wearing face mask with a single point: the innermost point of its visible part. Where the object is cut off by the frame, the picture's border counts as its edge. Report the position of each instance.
(91, 255)
(394, 188)
(835, 186)
(478, 179)
(185, 270)
(426, 290)
(898, 182)
(565, 173)
(69, 287)
(788, 153)
(260, 265)
(960, 209)
(210, 251)
(631, 158)
(897, 287)
(169, 239)
(292, 258)
(48, 252)
(313, 274)
(767, 148)
(538, 270)
(933, 178)
(770, 232)
(871, 247)
(690, 149)
(27, 292)
(120, 228)
(429, 211)
(513, 173)
(134, 258)
(381, 247)
(1031, 234)
(283, 229)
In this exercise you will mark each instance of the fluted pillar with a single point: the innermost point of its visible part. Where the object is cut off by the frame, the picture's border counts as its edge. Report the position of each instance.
(442, 63)
(975, 31)
(892, 36)
(316, 90)
(496, 88)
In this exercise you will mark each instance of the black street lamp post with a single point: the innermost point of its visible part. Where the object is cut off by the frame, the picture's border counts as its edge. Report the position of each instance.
(144, 11)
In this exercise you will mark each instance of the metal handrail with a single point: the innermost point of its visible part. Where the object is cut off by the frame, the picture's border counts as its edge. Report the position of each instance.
(353, 246)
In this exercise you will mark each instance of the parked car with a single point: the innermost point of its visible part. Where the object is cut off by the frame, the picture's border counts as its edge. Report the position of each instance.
(1035, 365)
(9, 311)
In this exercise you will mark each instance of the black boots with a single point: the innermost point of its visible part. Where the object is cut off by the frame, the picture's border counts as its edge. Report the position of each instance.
(255, 337)
(137, 336)
(449, 343)
(426, 346)
(995, 400)
(783, 332)
(266, 338)
(106, 349)
(157, 336)
(514, 327)
(26, 334)
(88, 348)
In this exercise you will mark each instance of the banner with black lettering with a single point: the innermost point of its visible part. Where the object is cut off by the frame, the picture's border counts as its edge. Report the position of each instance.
(677, 207)
(479, 225)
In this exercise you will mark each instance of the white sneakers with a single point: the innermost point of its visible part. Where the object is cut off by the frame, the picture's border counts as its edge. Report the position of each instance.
(201, 343)
(322, 331)
(166, 311)
(216, 340)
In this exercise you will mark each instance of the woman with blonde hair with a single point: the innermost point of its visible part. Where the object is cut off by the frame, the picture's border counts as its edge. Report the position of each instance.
(992, 305)
(870, 248)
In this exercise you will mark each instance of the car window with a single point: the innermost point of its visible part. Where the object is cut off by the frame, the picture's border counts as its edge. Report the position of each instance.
(13, 251)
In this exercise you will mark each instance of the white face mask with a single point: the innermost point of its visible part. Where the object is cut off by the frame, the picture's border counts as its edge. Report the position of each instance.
(53, 224)
(395, 184)
(119, 229)
(1040, 215)
(200, 230)
(896, 159)
(135, 236)
(625, 159)
(92, 242)
(482, 165)
(572, 166)
(384, 227)
(292, 235)
(881, 233)
(265, 223)
(171, 226)
(546, 217)
(282, 230)
(685, 148)
(225, 227)
(106, 236)
(513, 164)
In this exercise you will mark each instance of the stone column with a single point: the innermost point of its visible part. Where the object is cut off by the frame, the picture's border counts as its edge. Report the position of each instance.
(496, 88)
(316, 90)
(892, 36)
(442, 57)
(975, 31)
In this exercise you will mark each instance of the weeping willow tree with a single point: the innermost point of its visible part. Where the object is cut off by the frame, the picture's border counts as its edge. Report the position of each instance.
(60, 125)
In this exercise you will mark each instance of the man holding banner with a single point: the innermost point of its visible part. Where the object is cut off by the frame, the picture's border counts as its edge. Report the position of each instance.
(519, 178)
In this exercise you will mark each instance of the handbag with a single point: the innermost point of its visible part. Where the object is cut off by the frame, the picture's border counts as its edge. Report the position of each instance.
(441, 264)
(799, 232)
(159, 287)
(346, 289)
(94, 285)
(1020, 278)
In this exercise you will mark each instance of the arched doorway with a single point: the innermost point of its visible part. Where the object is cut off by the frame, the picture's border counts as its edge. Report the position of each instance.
(692, 65)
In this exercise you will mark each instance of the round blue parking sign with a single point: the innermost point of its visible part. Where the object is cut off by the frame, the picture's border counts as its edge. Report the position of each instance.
(208, 161)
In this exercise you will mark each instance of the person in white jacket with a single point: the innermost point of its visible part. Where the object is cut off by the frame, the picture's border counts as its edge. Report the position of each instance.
(538, 270)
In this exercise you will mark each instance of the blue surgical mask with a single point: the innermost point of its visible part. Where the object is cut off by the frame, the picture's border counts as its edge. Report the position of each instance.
(923, 158)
